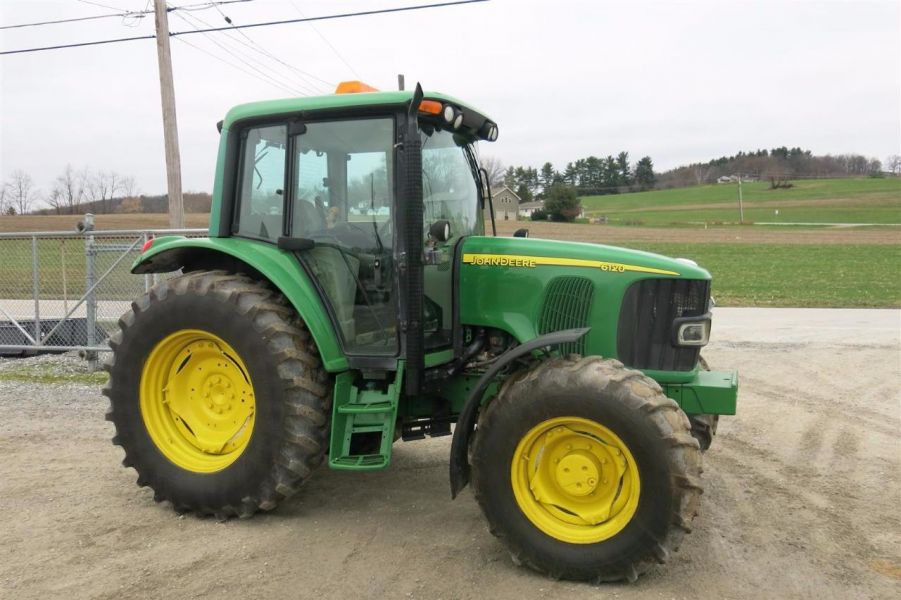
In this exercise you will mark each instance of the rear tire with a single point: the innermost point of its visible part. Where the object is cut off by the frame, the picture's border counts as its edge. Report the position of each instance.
(290, 394)
(597, 400)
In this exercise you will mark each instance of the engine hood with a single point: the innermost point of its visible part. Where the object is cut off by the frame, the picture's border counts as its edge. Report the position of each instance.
(533, 252)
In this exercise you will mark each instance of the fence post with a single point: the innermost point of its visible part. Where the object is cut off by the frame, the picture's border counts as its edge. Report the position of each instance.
(90, 301)
(36, 286)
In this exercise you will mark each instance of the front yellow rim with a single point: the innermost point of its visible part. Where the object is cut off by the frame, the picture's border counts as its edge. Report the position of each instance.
(197, 401)
(575, 480)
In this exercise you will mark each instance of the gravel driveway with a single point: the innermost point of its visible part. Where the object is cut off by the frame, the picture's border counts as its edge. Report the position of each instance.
(802, 496)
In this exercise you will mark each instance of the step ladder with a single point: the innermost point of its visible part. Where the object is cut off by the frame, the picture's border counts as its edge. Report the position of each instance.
(363, 424)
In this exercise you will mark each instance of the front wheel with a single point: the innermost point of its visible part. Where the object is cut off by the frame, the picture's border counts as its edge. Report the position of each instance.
(586, 470)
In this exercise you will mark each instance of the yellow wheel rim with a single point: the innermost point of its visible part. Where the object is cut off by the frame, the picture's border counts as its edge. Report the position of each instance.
(197, 401)
(575, 480)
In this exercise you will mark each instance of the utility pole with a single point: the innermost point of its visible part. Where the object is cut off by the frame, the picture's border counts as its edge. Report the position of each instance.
(741, 208)
(170, 124)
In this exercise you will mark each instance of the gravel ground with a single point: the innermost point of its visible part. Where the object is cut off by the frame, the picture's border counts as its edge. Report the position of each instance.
(801, 500)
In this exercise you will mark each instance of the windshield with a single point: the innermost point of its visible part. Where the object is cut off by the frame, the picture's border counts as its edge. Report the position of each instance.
(449, 188)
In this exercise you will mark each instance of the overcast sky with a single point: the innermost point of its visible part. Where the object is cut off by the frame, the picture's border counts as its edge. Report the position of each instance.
(679, 81)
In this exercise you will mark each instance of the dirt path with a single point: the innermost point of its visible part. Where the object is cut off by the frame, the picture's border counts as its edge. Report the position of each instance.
(801, 500)
(869, 200)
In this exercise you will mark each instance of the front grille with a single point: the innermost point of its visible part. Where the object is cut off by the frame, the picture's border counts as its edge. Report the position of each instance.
(644, 337)
(567, 304)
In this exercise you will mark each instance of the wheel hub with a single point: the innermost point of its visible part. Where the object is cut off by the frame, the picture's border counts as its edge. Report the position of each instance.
(197, 400)
(575, 479)
(577, 473)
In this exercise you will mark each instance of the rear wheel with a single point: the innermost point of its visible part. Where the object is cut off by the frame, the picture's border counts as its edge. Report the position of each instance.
(586, 470)
(217, 394)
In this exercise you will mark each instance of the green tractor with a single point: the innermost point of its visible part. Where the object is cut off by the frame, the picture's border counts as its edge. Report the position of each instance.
(347, 296)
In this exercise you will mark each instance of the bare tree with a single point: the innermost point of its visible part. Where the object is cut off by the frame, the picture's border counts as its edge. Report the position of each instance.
(893, 164)
(127, 186)
(874, 167)
(68, 192)
(3, 194)
(21, 191)
(701, 173)
(778, 174)
(495, 169)
(102, 188)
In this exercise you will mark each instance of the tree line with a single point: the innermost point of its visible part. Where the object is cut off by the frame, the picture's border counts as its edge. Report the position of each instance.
(74, 191)
(778, 165)
(594, 176)
(587, 176)
(78, 191)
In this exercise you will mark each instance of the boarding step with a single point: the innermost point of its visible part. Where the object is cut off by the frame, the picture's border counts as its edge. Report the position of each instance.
(363, 418)
(367, 409)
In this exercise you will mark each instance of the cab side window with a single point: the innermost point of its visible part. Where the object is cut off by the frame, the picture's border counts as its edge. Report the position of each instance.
(262, 184)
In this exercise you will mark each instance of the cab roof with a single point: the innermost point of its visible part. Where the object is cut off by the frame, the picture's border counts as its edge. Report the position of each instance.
(285, 106)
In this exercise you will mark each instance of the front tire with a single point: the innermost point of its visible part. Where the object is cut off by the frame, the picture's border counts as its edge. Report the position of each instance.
(217, 394)
(585, 470)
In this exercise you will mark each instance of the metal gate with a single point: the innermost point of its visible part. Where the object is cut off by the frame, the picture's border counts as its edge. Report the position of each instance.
(63, 291)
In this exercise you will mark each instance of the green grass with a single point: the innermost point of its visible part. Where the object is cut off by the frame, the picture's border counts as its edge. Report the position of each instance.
(855, 200)
(845, 276)
(61, 265)
(39, 374)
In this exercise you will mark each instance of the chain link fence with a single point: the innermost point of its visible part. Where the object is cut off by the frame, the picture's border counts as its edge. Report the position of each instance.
(63, 291)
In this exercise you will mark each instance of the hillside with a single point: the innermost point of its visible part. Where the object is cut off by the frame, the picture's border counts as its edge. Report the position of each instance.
(852, 200)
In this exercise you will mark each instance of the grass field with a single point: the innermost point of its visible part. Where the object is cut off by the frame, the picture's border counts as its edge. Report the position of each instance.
(836, 275)
(858, 200)
(21, 223)
(752, 266)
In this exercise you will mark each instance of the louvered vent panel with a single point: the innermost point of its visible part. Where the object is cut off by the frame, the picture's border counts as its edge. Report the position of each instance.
(567, 305)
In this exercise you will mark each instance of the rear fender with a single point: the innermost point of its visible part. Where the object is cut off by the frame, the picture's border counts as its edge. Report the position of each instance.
(264, 261)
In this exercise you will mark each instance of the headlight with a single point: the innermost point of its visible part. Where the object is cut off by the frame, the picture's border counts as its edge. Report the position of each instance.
(449, 113)
(692, 331)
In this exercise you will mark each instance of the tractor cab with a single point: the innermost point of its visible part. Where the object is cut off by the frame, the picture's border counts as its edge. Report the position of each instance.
(372, 198)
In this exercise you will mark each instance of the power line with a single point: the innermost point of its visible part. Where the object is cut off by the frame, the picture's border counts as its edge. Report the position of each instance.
(265, 24)
(230, 51)
(324, 39)
(363, 13)
(98, 4)
(233, 65)
(207, 6)
(136, 14)
(259, 48)
(253, 45)
(307, 82)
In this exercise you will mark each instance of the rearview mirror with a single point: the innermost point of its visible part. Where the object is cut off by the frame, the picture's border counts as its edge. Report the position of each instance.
(440, 230)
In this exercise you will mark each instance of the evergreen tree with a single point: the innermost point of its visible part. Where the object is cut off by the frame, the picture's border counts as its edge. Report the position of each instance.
(625, 173)
(562, 203)
(547, 175)
(610, 175)
(524, 193)
(644, 173)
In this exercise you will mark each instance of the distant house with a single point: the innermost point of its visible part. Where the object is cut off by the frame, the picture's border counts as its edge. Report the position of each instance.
(506, 204)
(527, 208)
(736, 178)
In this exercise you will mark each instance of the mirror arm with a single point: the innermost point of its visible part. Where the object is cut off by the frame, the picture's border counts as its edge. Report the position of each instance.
(487, 186)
